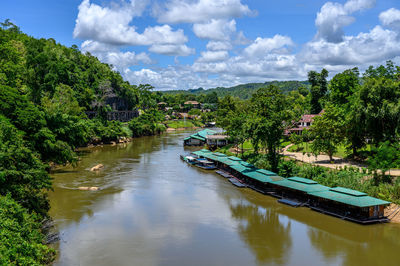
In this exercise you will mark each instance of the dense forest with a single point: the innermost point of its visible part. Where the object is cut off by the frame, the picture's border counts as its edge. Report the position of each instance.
(45, 89)
(245, 91)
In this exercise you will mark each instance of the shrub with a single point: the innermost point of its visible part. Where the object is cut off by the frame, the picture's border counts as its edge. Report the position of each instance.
(20, 236)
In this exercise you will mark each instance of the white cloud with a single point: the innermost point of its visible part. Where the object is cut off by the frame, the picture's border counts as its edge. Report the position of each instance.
(106, 29)
(94, 47)
(171, 49)
(334, 16)
(268, 58)
(122, 60)
(391, 18)
(213, 56)
(364, 49)
(111, 25)
(262, 46)
(218, 46)
(111, 55)
(216, 29)
(187, 11)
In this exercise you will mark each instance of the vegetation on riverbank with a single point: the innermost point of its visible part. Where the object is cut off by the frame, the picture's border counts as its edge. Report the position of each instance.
(183, 124)
(45, 89)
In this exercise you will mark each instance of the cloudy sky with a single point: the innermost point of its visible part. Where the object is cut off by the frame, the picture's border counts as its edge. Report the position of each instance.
(184, 44)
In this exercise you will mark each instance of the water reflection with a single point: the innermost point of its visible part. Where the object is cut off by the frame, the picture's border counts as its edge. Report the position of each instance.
(261, 229)
(358, 245)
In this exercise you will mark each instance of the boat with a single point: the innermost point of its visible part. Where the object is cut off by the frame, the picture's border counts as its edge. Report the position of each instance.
(205, 164)
(189, 159)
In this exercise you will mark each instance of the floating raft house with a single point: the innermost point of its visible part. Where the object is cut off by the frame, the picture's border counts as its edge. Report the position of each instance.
(297, 188)
(349, 204)
(345, 203)
(199, 138)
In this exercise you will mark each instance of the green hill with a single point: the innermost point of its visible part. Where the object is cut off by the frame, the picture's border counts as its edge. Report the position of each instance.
(244, 91)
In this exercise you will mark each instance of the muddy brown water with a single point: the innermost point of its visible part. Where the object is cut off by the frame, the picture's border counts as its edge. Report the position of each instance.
(154, 209)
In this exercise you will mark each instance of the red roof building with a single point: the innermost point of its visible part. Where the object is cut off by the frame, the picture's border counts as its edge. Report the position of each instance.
(304, 123)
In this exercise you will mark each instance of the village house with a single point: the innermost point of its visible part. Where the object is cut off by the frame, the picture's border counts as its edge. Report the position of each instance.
(199, 138)
(216, 140)
(162, 106)
(303, 124)
(192, 104)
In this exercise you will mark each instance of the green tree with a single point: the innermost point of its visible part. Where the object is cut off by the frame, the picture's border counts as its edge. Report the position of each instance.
(269, 109)
(319, 87)
(384, 157)
(22, 174)
(380, 101)
(326, 132)
(344, 94)
(343, 86)
(21, 239)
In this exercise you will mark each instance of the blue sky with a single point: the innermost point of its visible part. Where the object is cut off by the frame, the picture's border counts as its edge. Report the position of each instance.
(182, 44)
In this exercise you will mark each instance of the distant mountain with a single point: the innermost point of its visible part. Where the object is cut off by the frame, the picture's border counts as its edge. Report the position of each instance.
(244, 91)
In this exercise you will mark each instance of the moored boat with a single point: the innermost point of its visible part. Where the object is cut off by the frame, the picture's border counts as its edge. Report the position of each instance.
(189, 159)
(205, 164)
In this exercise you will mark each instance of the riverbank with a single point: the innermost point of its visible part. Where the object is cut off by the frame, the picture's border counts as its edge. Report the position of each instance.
(393, 213)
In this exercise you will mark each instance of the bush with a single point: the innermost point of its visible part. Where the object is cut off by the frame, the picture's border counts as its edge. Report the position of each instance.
(147, 124)
(22, 174)
(20, 236)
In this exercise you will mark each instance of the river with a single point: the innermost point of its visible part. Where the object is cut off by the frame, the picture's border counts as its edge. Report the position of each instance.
(154, 209)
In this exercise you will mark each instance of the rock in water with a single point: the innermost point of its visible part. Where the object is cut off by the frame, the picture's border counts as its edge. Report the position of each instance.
(89, 188)
(97, 167)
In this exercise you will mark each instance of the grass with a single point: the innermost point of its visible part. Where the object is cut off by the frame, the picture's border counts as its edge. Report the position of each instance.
(341, 149)
(183, 124)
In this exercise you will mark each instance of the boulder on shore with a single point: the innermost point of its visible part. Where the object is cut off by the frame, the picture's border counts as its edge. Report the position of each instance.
(97, 167)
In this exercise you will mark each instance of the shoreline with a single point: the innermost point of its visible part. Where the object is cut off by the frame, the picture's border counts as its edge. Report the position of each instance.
(393, 210)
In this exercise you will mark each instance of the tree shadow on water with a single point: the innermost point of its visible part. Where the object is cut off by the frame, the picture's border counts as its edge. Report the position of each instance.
(263, 232)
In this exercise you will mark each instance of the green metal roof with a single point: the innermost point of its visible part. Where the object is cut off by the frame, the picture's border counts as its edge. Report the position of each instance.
(241, 168)
(358, 201)
(197, 137)
(262, 177)
(198, 153)
(211, 157)
(246, 164)
(265, 172)
(204, 133)
(220, 154)
(186, 138)
(227, 161)
(205, 150)
(233, 158)
(348, 191)
(300, 186)
(303, 180)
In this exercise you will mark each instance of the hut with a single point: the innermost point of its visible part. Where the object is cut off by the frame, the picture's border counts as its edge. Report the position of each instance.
(261, 180)
(297, 188)
(349, 204)
(199, 138)
(217, 140)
